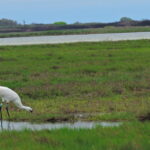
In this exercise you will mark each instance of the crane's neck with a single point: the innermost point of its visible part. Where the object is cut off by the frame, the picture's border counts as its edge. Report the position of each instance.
(21, 106)
(25, 108)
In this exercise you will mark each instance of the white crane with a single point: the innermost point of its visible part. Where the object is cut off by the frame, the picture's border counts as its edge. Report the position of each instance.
(8, 96)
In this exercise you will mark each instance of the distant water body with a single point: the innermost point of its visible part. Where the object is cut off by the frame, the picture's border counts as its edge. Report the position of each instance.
(74, 38)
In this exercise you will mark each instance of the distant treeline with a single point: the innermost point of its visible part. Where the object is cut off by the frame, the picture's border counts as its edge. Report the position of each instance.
(7, 25)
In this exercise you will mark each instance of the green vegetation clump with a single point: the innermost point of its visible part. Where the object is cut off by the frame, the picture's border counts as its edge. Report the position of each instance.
(8, 23)
(60, 23)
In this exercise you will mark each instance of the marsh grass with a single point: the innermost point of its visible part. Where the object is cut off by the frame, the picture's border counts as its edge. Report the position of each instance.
(64, 79)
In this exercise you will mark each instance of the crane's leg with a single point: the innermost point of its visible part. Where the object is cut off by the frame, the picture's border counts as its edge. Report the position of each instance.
(7, 111)
(1, 115)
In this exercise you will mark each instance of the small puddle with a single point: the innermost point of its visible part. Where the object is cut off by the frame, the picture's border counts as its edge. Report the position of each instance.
(6, 125)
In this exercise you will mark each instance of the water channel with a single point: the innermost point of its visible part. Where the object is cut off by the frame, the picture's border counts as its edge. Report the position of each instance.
(9, 125)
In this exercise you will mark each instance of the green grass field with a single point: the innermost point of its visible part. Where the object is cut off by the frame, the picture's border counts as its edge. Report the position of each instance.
(107, 80)
(108, 29)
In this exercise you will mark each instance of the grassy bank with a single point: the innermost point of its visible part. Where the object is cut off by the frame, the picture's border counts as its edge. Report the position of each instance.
(107, 79)
(130, 136)
(78, 31)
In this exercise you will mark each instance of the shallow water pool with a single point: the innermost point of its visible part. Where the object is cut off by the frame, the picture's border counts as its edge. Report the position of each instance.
(9, 125)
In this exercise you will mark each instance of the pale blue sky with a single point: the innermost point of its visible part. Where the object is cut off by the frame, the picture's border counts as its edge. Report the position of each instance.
(70, 11)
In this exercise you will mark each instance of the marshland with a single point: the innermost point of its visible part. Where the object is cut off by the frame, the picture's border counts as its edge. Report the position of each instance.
(94, 81)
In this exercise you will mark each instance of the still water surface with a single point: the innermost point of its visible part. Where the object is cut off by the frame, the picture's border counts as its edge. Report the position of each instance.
(6, 125)
(74, 38)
